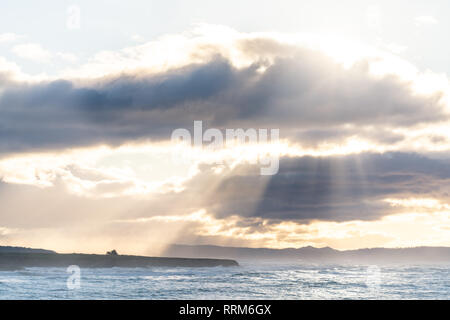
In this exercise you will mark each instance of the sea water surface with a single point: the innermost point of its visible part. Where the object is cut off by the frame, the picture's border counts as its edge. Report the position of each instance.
(248, 281)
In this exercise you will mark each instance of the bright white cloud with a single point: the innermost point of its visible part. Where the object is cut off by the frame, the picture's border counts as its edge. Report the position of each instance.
(426, 20)
(9, 37)
(67, 57)
(101, 172)
(137, 38)
(35, 52)
(32, 51)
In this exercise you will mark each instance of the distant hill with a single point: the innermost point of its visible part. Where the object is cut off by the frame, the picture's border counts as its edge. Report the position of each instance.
(20, 256)
(7, 249)
(310, 254)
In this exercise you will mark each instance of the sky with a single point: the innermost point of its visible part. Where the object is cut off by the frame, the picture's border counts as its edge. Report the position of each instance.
(91, 93)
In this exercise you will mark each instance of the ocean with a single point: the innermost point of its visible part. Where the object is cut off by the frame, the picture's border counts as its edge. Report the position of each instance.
(248, 281)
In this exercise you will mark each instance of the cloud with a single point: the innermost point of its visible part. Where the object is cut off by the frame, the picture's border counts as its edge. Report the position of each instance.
(301, 95)
(132, 171)
(329, 109)
(8, 72)
(33, 52)
(364, 186)
(67, 57)
(313, 200)
(336, 188)
(9, 37)
(425, 20)
(137, 38)
(396, 48)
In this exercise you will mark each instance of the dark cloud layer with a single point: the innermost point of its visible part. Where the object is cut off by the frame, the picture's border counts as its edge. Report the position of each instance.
(333, 188)
(308, 96)
(339, 188)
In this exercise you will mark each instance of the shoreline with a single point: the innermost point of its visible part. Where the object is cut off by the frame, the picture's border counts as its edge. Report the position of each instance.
(14, 261)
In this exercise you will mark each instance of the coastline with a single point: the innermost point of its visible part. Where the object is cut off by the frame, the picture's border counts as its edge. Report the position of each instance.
(15, 260)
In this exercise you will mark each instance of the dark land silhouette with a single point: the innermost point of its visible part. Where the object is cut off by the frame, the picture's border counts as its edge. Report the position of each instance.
(415, 255)
(12, 258)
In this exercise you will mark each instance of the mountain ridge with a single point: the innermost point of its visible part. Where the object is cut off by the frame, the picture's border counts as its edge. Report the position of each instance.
(423, 254)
